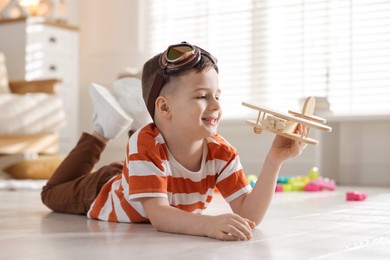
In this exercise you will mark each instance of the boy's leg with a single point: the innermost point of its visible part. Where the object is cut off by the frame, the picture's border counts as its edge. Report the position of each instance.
(77, 196)
(72, 188)
(79, 161)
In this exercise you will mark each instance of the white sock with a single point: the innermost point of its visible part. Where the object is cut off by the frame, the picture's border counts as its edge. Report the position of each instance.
(110, 120)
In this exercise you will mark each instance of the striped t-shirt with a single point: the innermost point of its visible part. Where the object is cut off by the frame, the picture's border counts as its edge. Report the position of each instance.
(151, 171)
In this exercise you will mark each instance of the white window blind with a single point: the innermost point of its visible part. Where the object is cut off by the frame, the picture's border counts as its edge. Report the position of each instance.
(275, 52)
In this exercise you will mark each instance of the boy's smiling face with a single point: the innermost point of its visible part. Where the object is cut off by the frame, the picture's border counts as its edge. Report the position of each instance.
(194, 103)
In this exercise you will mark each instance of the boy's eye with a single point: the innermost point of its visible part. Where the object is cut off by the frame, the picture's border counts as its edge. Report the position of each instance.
(204, 97)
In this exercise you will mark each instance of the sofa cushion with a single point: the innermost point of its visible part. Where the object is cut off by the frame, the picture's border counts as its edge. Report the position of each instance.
(41, 168)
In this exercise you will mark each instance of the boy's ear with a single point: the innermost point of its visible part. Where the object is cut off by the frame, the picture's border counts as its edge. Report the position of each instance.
(162, 107)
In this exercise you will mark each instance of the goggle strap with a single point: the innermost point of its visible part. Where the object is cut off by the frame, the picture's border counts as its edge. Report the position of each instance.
(154, 93)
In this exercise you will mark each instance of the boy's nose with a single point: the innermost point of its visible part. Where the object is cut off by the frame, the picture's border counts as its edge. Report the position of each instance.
(215, 105)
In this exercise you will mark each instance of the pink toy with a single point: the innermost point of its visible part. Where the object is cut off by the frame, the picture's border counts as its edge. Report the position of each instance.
(279, 188)
(356, 196)
(313, 187)
(325, 183)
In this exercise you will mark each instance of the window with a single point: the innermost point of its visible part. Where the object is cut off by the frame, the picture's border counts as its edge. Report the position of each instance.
(278, 52)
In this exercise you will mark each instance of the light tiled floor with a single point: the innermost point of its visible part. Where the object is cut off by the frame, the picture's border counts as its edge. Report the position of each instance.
(298, 225)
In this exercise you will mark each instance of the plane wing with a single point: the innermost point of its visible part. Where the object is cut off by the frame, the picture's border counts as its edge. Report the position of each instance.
(300, 120)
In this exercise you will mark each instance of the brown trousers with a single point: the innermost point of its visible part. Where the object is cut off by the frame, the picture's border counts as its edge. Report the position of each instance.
(73, 187)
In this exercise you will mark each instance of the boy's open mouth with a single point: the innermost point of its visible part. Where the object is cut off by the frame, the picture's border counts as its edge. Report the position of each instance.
(210, 120)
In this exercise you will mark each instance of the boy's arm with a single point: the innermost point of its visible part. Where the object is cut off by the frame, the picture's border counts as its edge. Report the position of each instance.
(254, 205)
(166, 218)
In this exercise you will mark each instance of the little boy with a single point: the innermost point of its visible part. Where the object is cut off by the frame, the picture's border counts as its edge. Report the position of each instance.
(173, 164)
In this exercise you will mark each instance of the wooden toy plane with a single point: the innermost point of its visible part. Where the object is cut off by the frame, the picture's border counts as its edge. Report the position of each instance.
(285, 124)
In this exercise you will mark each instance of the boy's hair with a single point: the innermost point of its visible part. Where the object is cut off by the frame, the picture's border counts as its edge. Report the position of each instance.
(152, 67)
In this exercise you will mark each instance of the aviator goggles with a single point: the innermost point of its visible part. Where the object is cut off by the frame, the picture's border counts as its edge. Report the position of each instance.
(175, 59)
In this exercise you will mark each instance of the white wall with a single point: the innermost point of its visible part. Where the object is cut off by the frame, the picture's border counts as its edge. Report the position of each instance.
(111, 39)
(357, 152)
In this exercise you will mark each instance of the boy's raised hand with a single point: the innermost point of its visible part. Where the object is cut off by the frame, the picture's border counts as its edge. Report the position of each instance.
(229, 227)
(284, 148)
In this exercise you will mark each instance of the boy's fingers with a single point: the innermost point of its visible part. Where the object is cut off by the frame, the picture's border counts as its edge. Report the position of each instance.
(299, 129)
(236, 228)
(244, 228)
(235, 232)
(251, 223)
(242, 220)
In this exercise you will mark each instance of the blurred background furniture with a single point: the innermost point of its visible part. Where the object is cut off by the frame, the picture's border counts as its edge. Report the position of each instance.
(38, 48)
(32, 113)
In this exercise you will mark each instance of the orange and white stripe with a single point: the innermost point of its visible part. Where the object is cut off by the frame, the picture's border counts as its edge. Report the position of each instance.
(149, 171)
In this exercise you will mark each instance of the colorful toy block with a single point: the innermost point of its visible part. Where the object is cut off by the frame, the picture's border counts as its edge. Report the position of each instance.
(311, 182)
(252, 179)
(356, 196)
(287, 187)
(313, 187)
(314, 174)
(298, 185)
(279, 188)
(325, 183)
(283, 179)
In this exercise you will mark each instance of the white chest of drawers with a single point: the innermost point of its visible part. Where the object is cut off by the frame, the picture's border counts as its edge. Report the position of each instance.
(39, 49)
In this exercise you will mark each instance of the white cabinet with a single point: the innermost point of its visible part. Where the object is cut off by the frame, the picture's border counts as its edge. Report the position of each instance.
(39, 49)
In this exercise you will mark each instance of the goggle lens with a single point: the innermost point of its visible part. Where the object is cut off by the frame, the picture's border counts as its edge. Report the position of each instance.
(177, 52)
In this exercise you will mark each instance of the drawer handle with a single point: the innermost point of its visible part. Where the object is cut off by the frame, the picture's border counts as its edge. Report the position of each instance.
(52, 39)
(53, 68)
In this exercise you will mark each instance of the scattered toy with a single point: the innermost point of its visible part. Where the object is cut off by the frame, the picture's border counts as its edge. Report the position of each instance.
(356, 196)
(279, 188)
(311, 182)
(313, 187)
(252, 179)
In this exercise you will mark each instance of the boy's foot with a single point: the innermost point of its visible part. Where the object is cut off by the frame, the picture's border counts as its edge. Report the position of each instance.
(110, 120)
(128, 92)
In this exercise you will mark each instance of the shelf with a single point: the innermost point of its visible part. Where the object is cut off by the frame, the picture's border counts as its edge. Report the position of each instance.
(40, 20)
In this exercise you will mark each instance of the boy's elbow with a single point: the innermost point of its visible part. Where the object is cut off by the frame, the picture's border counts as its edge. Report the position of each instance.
(257, 223)
(157, 225)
